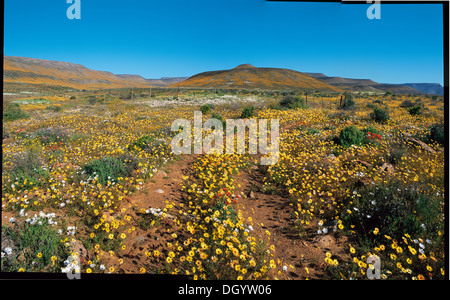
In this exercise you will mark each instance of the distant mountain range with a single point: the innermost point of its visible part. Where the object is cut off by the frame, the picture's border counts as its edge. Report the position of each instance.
(245, 76)
(370, 85)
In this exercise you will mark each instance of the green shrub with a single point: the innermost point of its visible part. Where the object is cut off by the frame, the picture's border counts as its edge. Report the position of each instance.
(347, 103)
(12, 111)
(206, 108)
(28, 239)
(111, 168)
(380, 115)
(351, 136)
(415, 110)
(248, 112)
(395, 210)
(437, 134)
(292, 102)
(142, 143)
(54, 108)
(406, 104)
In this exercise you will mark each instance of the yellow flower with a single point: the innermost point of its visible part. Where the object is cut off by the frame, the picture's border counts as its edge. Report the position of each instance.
(39, 255)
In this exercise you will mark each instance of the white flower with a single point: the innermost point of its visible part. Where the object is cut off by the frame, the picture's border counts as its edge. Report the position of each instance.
(102, 267)
(8, 250)
(12, 220)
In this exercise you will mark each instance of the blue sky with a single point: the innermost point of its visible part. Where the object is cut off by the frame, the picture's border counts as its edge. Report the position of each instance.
(184, 37)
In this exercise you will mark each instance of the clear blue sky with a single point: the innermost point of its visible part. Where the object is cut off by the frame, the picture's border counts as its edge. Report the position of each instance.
(156, 38)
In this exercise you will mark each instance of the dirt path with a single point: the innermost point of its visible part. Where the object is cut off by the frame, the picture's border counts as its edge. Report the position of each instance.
(270, 211)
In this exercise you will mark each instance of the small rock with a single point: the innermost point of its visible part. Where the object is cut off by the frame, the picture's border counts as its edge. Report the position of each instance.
(78, 247)
(388, 168)
(160, 173)
(421, 144)
(326, 242)
(251, 195)
(159, 191)
(330, 159)
(364, 163)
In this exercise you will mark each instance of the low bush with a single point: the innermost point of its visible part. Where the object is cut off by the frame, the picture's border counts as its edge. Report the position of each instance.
(248, 112)
(415, 110)
(380, 115)
(206, 108)
(437, 134)
(12, 112)
(292, 102)
(111, 168)
(351, 135)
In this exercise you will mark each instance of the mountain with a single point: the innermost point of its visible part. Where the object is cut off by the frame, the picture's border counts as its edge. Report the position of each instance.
(165, 81)
(428, 88)
(246, 76)
(57, 73)
(366, 85)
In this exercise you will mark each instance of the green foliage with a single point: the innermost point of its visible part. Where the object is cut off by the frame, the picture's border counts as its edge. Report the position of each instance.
(395, 210)
(415, 110)
(12, 111)
(111, 168)
(348, 102)
(437, 133)
(380, 115)
(248, 112)
(205, 108)
(28, 171)
(142, 143)
(54, 108)
(406, 104)
(351, 136)
(292, 102)
(28, 240)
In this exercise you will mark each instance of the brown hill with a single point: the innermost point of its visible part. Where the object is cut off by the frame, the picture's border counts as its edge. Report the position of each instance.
(57, 73)
(247, 76)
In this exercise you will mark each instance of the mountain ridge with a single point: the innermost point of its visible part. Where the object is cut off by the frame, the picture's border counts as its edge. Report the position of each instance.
(245, 76)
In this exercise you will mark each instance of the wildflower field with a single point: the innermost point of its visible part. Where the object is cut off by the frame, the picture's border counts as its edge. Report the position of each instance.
(92, 175)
